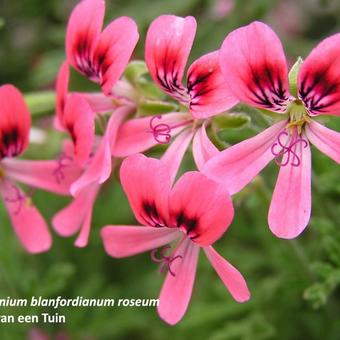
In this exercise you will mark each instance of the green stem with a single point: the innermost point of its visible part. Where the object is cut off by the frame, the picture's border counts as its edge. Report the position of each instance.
(40, 103)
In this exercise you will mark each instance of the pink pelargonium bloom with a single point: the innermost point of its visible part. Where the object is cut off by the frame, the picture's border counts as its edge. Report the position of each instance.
(167, 48)
(254, 66)
(196, 212)
(100, 55)
(15, 123)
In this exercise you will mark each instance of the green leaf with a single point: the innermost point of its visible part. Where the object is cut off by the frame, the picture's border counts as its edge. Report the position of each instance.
(293, 75)
(231, 120)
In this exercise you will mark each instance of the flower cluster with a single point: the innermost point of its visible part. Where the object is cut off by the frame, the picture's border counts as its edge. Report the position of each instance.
(177, 216)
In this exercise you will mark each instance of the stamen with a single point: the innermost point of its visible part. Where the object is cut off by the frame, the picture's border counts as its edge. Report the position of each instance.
(164, 259)
(62, 162)
(18, 198)
(161, 131)
(287, 149)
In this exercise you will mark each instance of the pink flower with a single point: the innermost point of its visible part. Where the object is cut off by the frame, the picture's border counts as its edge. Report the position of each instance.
(168, 44)
(100, 55)
(15, 123)
(196, 212)
(254, 66)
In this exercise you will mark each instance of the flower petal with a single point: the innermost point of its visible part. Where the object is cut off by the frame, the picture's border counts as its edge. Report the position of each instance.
(200, 207)
(83, 29)
(77, 215)
(123, 241)
(254, 66)
(238, 165)
(54, 176)
(15, 122)
(79, 122)
(146, 182)
(28, 224)
(202, 148)
(140, 134)
(176, 291)
(167, 48)
(173, 156)
(326, 140)
(230, 276)
(63, 78)
(100, 167)
(114, 47)
(207, 87)
(290, 208)
(319, 78)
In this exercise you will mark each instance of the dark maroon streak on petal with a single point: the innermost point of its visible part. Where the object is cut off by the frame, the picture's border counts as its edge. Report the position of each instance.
(152, 217)
(168, 76)
(10, 143)
(316, 87)
(267, 88)
(199, 85)
(187, 223)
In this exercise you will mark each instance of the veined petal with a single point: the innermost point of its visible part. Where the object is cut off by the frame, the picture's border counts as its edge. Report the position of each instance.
(202, 148)
(123, 241)
(146, 182)
(83, 29)
(176, 291)
(230, 276)
(254, 66)
(79, 122)
(173, 156)
(207, 87)
(114, 47)
(62, 91)
(15, 122)
(167, 48)
(55, 176)
(140, 134)
(28, 224)
(201, 208)
(238, 165)
(290, 207)
(326, 140)
(319, 78)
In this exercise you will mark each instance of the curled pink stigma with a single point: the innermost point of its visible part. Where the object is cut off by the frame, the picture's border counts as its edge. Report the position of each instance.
(160, 131)
(62, 162)
(288, 150)
(164, 259)
(18, 198)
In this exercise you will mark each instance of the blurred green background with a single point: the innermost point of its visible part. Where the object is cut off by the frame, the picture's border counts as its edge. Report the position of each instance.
(294, 284)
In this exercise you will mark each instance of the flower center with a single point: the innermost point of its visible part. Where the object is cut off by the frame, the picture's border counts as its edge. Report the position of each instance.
(162, 131)
(166, 260)
(298, 116)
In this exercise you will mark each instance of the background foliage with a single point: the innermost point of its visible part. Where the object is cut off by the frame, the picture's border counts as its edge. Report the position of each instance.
(294, 284)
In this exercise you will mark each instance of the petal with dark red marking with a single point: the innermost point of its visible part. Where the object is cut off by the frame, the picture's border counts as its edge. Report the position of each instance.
(114, 47)
(62, 91)
(319, 78)
(201, 208)
(146, 182)
(83, 29)
(167, 48)
(15, 122)
(254, 66)
(79, 122)
(209, 93)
